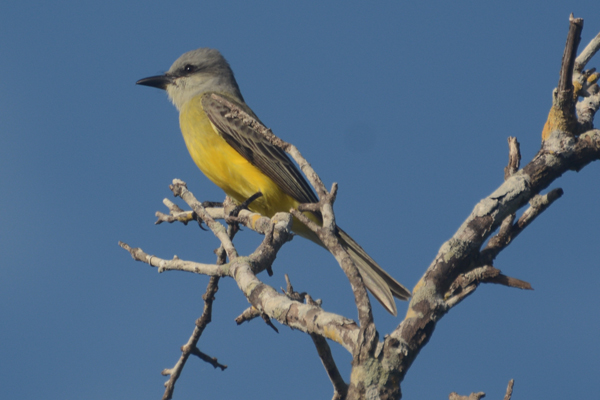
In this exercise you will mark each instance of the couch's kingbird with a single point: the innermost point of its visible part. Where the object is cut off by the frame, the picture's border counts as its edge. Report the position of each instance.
(242, 163)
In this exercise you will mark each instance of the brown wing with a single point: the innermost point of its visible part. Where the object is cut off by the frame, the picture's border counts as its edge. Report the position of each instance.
(271, 160)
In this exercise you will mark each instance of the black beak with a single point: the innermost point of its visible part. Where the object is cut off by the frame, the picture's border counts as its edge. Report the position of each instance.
(159, 81)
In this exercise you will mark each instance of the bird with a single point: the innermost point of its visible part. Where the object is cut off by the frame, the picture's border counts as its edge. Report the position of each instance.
(243, 163)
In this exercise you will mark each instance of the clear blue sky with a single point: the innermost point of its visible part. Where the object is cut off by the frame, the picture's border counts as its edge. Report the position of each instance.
(407, 105)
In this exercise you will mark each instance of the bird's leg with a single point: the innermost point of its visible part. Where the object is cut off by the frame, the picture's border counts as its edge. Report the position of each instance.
(231, 216)
(212, 204)
(233, 213)
(245, 204)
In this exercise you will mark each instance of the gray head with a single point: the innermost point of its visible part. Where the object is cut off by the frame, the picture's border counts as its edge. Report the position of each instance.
(196, 72)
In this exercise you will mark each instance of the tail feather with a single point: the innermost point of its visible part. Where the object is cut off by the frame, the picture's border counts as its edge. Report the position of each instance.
(376, 279)
(379, 282)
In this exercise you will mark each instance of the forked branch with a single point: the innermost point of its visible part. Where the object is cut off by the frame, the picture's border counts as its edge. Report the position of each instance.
(562, 151)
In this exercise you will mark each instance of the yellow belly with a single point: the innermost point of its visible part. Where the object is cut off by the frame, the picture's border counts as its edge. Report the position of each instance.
(226, 167)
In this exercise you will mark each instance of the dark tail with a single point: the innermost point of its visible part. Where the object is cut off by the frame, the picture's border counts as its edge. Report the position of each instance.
(380, 283)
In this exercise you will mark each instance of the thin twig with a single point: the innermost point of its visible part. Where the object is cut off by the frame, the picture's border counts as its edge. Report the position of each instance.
(247, 315)
(340, 387)
(587, 53)
(290, 292)
(176, 264)
(191, 346)
(465, 284)
(180, 189)
(206, 358)
(508, 281)
(514, 157)
(537, 205)
(267, 321)
(472, 396)
(509, 389)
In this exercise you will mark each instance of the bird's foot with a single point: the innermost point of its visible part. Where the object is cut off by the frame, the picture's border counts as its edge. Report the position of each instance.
(232, 215)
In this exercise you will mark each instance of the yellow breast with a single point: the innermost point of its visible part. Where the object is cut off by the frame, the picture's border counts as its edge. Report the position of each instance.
(226, 167)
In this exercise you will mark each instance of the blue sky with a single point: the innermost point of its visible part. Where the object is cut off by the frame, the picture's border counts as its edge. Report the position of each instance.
(407, 105)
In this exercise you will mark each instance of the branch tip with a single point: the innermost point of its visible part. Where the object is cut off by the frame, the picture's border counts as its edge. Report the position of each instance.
(247, 315)
(509, 389)
(267, 320)
(514, 157)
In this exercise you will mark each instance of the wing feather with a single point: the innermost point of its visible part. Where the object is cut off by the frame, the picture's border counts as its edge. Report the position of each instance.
(271, 160)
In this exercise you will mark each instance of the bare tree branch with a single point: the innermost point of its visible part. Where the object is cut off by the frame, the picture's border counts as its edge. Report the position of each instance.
(514, 157)
(565, 82)
(562, 116)
(176, 264)
(206, 358)
(587, 53)
(340, 387)
(587, 107)
(290, 292)
(508, 231)
(265, 299)
(247, 315)
(514, 162)
(327, 235)
(561, 152)
(472, 396)
(191, 347)
(466, 284)
(269, 323)
(180, 189)
(249, 219)
(304, 317)
(509, 389)
(508, 281)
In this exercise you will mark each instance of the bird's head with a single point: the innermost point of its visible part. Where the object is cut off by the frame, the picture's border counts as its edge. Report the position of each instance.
(194, 73)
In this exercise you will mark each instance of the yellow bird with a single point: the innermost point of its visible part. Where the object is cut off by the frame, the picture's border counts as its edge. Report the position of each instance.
(242, 163)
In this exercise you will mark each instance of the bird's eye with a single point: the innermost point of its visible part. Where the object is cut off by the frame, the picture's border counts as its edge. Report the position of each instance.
(189, 68)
